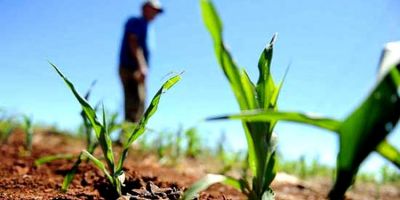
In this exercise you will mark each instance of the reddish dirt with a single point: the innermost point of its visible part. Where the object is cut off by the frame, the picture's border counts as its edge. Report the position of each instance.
(145, 178)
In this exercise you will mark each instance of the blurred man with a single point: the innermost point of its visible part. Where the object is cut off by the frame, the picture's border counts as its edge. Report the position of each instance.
(134, 57)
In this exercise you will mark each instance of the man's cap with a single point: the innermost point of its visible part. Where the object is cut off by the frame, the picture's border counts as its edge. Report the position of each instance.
(154, 4)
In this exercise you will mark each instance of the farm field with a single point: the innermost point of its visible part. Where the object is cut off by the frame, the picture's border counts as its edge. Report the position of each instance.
(111, 156)
(146, 176)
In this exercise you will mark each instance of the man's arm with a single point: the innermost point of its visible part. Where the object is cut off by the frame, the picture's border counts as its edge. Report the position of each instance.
(141, 73)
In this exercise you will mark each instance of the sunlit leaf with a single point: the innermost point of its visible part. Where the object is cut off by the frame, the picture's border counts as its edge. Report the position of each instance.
(389, 152)
(271, 115)
(365, 128)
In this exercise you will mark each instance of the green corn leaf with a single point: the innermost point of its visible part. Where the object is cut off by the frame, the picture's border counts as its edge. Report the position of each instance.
(389, 152)
(251, 149)
(106, 141)
(71, 173)
(384, 149)
(151, 109)
(89, 91)
(365, 128)
(274, 99)
(47, 159)
(86, 123)
(140, 128)
(276, 92)
(231, 70)
(249, 90)
(207, 181)
(271, 115)
(113, 179)
(98, 164)
(211, 20)
(270, 170)
(91, 115)
(89, 111)
(265, 83)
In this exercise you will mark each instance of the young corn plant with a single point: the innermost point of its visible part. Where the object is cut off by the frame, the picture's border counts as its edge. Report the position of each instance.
(7, 126)
(193, 147)
(28, 129)
(261, 141)
(177, 148)
(112, 170)
(363, 131)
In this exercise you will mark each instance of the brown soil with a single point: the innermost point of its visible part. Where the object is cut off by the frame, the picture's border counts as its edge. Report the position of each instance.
(145, 178)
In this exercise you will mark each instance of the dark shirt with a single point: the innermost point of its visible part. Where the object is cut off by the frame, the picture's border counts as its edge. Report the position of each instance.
(138, 27)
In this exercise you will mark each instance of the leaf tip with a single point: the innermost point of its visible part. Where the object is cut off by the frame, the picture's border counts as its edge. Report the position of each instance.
(273, 40)
(216, 118)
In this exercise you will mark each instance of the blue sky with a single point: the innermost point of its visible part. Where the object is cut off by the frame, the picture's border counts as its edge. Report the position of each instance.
(333, 47)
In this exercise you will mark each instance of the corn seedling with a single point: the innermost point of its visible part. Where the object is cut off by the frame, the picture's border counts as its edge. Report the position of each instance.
(177, 151)
(112, 170)
(7, 126)
(261, 142)
(161, 147)
(91, 143)
(193, 143)
(28, 129)
(363, 131)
